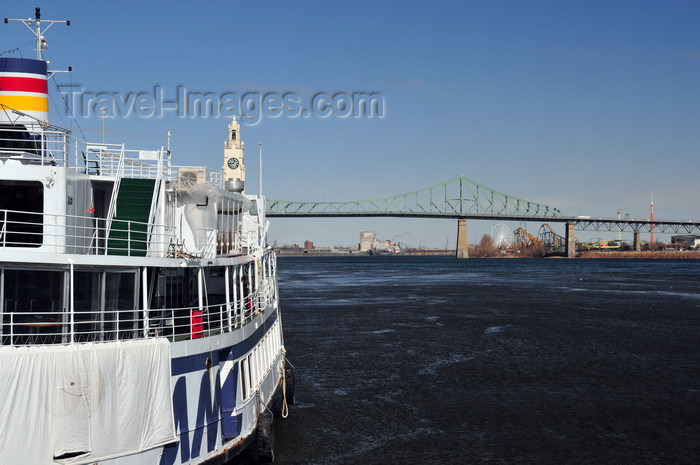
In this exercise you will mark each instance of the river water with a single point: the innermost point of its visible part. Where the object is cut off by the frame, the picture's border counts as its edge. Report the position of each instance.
(432, 360)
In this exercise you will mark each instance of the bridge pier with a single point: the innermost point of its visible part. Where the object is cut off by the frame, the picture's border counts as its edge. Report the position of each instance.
(637, 242)
(570, 240)
(462, 243)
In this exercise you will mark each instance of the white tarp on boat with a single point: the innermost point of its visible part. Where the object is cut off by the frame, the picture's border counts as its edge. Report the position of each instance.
(85, 402)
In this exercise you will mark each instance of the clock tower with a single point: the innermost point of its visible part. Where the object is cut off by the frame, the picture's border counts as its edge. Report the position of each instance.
(234, 169)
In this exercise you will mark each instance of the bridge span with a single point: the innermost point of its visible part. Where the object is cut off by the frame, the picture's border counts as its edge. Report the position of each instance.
(464, 199)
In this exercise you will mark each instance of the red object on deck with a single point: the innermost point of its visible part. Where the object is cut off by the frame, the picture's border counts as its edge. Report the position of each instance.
(197, 323)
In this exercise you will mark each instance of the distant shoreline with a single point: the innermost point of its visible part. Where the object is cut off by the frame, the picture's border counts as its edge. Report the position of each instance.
(311, 253)
(582, 255)
(645, 254)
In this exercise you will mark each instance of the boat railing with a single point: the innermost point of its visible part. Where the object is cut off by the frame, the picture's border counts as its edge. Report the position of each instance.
(249, 239)
(195, 322)
(207, 237)
(37, 328)
(91, 235)
(33, 144)
(267, 295)
(111, 211)
(24, 325)
(84, 235)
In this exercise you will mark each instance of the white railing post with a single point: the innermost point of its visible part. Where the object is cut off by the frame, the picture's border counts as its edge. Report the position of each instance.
(236, 278)
(115, 193)
(157, 189)
(227, 291)
(71, 301)
(3, 231)
(144, 302)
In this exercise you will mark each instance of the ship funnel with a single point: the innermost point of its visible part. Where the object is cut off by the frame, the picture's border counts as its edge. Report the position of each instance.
(24, 96)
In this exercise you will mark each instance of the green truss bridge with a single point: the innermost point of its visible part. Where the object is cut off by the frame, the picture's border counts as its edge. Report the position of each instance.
(462, 198)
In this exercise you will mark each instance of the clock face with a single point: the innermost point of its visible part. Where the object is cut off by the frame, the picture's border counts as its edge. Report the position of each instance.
(233, 163)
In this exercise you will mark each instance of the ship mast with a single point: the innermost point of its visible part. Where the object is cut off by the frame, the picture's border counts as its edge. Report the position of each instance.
(34, 25)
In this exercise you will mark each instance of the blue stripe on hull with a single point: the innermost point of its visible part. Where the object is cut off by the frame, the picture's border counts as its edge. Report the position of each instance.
(210, 412)
(231, 426)
(230, 423)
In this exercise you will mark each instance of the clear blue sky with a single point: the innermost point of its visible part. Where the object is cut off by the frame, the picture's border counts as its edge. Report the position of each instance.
(586, 106)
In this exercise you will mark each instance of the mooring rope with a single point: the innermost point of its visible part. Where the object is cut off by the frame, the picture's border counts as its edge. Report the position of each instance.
(285, 407)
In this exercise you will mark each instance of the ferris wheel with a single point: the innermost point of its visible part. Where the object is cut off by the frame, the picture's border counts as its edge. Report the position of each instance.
(502, 236)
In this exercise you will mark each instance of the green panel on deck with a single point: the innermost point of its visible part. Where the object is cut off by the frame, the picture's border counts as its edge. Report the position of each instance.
(133, 204)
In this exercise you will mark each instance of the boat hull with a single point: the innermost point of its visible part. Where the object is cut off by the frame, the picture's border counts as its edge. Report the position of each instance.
(209, 430)
(140, 402)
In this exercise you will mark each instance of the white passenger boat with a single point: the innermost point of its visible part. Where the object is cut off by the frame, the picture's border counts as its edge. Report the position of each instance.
(140, 315)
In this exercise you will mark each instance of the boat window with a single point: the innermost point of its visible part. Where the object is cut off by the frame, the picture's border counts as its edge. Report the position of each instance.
(233, 290)
(87, 305)
(172, 296)
(228, 224)
(215, 282)
(256, 370)
(21, 213)
(16, 138)
(110, 319)
(245, 377)
(33, 307)
(121, 319)
(268, 351)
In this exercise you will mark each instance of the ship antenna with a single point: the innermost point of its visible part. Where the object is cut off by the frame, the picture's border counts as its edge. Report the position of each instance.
(34, 25)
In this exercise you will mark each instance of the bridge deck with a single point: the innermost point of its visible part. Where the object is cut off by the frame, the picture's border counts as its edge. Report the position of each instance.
(463, 198)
